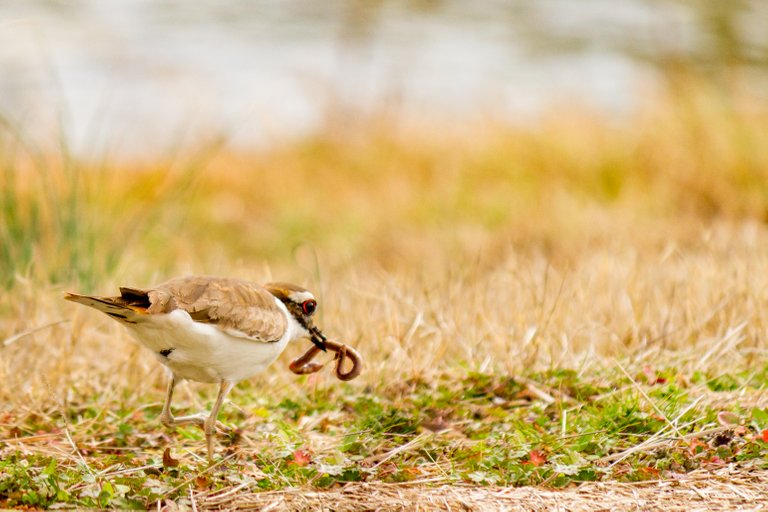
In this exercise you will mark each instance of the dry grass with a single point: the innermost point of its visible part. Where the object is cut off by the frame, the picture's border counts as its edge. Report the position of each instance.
(696, 304)
(577, 244)
(722, 489)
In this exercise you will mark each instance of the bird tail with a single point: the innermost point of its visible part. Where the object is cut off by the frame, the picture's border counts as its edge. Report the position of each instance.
(119, 308)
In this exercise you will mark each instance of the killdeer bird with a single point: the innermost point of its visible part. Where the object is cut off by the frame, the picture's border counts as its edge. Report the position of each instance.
(218, 330)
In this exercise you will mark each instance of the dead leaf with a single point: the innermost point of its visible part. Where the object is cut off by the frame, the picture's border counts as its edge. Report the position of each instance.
(728, 419)
(648, 472)
(696, 446)
(301, 457)
(168, 461)
(385, 470)
(536, 458)
(437, 424)
(652, 377)
(201, 483)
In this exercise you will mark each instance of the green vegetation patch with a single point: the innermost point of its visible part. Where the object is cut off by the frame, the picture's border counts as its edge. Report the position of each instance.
(555, 429)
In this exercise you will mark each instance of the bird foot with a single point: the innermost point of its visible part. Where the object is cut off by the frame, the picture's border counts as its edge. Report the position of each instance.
(195, 419)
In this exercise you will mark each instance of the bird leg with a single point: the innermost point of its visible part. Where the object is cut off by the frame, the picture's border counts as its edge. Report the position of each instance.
(167, 418)
(210, 423)
(303, 364)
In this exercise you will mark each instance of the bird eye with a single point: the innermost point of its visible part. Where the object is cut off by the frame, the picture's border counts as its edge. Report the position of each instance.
(308, 306)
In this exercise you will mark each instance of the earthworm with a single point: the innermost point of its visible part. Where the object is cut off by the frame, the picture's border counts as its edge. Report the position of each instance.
(303, 366)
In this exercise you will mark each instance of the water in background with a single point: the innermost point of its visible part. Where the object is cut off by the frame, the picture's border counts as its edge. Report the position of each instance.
(132, 76)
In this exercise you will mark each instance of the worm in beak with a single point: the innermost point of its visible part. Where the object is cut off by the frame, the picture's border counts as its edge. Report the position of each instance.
(304, 365)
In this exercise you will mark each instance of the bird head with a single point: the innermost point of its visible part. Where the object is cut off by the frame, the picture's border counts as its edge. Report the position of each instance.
(301, 304)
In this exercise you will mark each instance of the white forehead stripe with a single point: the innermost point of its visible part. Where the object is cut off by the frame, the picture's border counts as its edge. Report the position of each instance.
(301, 296)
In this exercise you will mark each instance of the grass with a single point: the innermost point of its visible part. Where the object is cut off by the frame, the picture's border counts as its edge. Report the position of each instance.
(484, 429)
(572, 301)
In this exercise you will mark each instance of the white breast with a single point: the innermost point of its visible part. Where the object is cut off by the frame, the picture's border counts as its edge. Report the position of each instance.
(205, 353)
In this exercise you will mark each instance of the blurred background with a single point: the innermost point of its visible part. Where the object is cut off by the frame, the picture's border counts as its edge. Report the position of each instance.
(384, 132)
(132, 78)
(540, 181)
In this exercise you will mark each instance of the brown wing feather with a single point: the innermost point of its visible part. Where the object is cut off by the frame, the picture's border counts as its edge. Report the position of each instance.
(230, 304)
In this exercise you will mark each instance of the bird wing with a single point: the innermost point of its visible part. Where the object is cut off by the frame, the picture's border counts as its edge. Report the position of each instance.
(239, 308)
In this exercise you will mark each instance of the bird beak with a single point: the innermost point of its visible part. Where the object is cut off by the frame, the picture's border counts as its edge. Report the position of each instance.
(318, 338)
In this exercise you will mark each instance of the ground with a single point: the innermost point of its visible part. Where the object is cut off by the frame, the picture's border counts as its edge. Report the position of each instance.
(724, 489)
